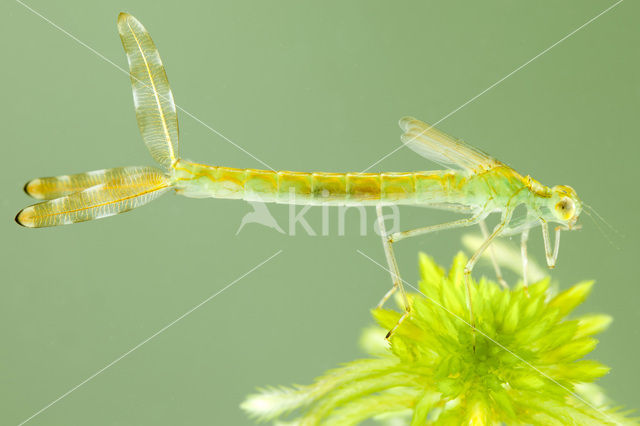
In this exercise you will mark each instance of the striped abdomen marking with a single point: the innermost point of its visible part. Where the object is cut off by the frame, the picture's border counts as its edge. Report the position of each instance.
(196, 180)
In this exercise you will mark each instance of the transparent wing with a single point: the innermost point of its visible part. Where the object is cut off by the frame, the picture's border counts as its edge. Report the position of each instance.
(49, 188)
(431, 143)
(119, 195)
(152, 97)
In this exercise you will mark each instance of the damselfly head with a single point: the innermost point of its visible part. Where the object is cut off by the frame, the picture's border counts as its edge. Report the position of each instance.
(566, 205)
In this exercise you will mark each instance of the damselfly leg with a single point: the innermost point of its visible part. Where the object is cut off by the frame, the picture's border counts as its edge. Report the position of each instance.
(492, 256)
(388, 240)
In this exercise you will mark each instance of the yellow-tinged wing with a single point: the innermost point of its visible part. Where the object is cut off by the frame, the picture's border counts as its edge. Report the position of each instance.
(152, 97)
(442, 148)
(48, 188)
(129, 190)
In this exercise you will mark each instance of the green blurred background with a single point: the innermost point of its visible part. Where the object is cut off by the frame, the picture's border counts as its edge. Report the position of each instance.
(302, 86)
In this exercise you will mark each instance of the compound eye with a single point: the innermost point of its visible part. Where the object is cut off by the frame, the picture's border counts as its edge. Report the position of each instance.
(566, 208)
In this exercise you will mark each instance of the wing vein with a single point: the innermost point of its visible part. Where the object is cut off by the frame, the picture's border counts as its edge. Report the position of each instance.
(107, 203)
(155, 94)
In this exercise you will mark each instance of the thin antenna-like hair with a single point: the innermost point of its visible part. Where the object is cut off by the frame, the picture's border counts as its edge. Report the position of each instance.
(593, 214)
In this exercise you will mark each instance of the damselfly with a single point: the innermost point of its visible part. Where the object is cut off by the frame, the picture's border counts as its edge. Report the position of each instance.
(477, 184)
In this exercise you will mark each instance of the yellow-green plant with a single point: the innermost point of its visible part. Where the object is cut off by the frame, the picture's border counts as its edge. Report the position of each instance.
(527, 366)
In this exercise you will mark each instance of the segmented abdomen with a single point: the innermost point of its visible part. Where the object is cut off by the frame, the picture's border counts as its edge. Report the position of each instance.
(195, 180)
